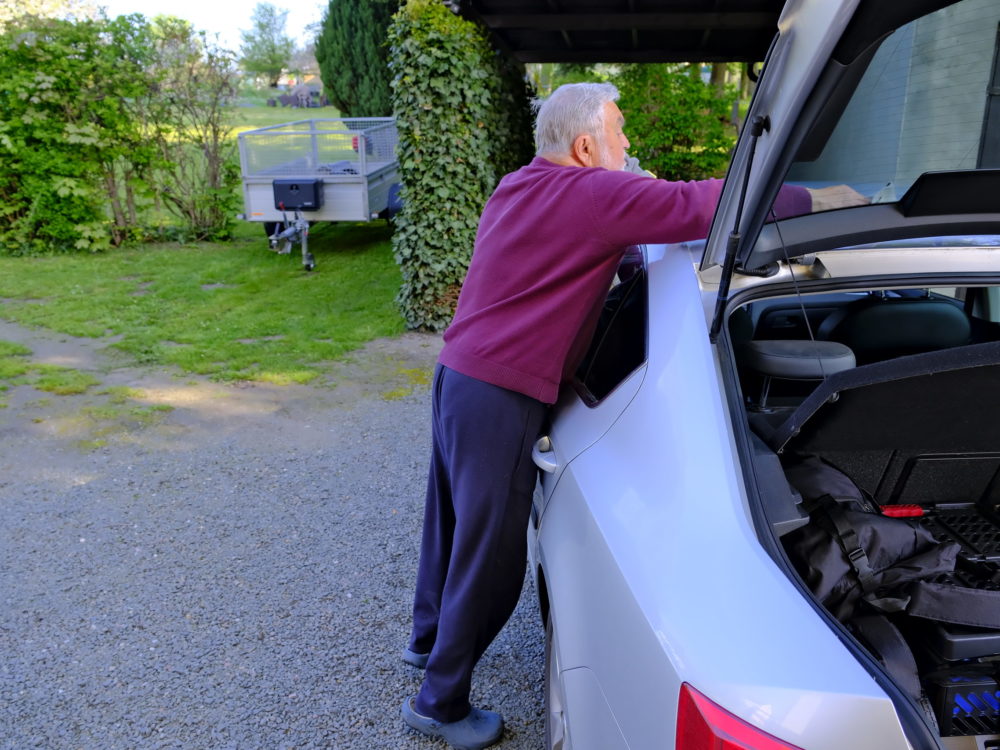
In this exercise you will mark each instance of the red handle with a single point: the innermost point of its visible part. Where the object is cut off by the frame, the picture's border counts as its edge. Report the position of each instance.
(902, 511)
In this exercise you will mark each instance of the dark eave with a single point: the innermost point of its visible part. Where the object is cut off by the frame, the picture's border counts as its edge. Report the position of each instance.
(589, 31)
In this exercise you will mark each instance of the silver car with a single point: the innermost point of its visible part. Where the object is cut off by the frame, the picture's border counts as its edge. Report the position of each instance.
(676, 551)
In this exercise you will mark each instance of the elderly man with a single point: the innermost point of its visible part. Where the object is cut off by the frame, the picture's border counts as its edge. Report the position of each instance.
(550, 239)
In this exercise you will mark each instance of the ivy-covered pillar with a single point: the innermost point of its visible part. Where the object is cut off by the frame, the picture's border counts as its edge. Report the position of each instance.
(463, 116)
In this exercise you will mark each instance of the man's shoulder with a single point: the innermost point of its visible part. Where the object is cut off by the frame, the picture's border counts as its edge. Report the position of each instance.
(542, 170)
(619, 177)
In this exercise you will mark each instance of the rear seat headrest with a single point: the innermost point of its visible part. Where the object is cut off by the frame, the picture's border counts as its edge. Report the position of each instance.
(798, 360)
(898, 326)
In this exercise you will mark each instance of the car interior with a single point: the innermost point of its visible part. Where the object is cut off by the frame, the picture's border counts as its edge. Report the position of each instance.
(894, 391)
(874, 326)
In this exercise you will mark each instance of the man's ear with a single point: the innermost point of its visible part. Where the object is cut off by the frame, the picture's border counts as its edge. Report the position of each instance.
(584, 150)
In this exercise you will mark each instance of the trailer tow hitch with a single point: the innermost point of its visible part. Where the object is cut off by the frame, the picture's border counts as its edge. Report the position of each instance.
(287, 234)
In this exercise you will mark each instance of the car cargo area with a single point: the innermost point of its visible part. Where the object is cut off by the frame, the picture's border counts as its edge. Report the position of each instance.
(877, 454)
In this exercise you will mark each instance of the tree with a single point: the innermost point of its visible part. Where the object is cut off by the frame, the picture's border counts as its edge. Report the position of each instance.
(63, 9)
(677, 124)
(303, 61)
(353, 56)
(547, 77)
(266, 50)
(102, 121)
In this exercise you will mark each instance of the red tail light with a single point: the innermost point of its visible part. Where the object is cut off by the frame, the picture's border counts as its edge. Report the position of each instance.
(702, 725)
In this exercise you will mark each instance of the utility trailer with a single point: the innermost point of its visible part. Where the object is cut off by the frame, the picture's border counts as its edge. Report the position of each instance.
(329, 169)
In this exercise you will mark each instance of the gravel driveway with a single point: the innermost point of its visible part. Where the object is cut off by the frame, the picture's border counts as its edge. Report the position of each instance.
(232, 572)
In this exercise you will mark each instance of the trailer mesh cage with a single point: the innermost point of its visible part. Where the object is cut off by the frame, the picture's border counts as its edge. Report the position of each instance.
(332, 146)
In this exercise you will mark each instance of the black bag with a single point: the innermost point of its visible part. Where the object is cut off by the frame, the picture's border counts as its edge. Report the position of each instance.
(873, 571)
(857, 561)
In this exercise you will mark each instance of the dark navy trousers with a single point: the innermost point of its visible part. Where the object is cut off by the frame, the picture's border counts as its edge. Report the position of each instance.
(473, 550)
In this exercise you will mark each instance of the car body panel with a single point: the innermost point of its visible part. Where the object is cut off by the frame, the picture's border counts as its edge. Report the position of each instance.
(650, 609)
(597, 728)
(579, 426)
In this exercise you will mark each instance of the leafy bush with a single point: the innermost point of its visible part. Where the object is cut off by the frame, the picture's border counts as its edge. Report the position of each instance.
(462, 117)
(511, 123)
(353, 56)
(676, 123)
(64, 123)
(189, 116)
(104, 121)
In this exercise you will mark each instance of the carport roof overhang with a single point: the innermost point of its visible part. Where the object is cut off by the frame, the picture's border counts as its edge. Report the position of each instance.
(589, 31)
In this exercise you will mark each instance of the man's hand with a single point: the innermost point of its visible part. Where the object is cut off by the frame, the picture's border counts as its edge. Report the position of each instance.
(836, 196)
(632, 165)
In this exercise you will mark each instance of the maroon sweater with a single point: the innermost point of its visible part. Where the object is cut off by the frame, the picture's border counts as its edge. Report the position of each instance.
(549, 242)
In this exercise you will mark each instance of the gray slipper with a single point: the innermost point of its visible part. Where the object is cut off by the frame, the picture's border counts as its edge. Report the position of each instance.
(477, 730)
(414, 659)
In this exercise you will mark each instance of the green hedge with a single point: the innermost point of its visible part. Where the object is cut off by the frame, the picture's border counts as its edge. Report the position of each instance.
(677, 124)
(464, 120)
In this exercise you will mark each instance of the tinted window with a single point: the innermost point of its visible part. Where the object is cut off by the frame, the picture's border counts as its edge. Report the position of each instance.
(619, 343)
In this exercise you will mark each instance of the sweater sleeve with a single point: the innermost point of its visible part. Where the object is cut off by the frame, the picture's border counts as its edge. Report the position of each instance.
(631, 209)
(792, 200)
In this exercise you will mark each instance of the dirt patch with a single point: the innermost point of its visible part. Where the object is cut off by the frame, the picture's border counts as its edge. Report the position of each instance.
(156, 409)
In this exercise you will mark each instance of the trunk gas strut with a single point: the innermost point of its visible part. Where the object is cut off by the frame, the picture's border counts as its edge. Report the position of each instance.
(758, 126)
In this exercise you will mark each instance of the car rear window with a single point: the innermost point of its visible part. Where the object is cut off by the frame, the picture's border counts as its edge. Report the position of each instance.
(929, 101)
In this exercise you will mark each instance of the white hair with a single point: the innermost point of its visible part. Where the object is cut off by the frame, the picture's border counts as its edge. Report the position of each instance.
(571, 110)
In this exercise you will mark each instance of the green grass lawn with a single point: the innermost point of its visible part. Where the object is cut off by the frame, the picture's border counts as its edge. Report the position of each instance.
(231, 311)
(249, 118)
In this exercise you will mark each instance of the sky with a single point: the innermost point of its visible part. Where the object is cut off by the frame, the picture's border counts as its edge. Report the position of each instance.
(225, 17)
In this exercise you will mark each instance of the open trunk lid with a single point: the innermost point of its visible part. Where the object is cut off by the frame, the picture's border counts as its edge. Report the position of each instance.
(900, 101)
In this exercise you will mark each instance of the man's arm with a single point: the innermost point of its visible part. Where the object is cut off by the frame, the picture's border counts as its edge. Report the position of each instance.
(823, 199)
